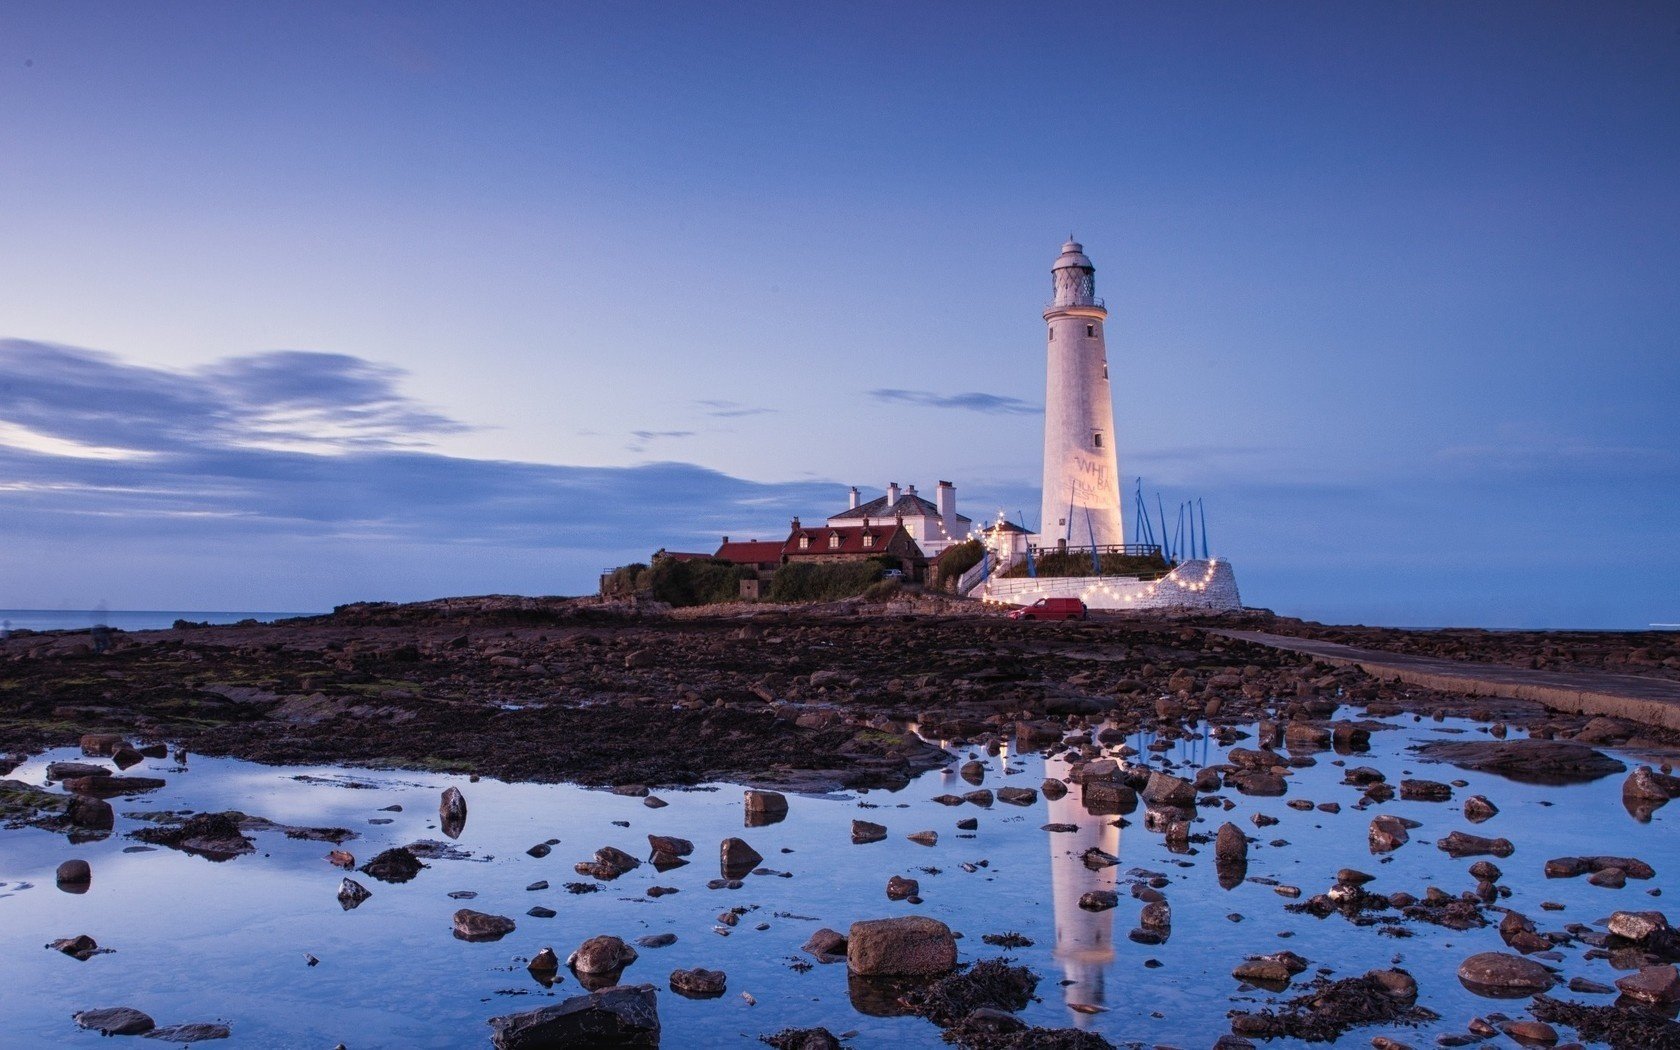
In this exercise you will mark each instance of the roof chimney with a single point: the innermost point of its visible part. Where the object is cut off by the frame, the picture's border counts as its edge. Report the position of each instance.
(726, 539)
(911, 492)
(946, 497)
(892, 493)
(853, 505)
(796, 524)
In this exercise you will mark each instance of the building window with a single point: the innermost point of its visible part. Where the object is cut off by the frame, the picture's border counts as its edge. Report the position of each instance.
(804, 543)
(1052, 333)
(1090, 330)
(869, 541)
(833, 542)
(1096, 440)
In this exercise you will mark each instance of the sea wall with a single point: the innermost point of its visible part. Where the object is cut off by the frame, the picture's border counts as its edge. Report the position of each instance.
(1204, 585)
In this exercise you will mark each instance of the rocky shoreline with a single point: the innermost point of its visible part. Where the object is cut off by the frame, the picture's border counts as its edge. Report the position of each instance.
(615, 694)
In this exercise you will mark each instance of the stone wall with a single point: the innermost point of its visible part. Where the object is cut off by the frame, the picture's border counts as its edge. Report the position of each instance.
(1204, 585)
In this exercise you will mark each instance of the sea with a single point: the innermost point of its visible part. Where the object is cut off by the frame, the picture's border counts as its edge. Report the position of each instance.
(124, 619)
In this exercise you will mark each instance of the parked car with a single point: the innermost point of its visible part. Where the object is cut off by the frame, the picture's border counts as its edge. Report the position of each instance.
(1051, 609)
(892, 574)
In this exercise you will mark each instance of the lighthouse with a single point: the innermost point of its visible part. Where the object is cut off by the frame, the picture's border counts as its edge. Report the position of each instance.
(1081, 505)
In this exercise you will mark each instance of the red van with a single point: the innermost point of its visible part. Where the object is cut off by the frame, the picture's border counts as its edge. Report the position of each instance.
(1051, 609)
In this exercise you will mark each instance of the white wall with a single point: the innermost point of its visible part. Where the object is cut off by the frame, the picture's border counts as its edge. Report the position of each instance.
(1203, 585)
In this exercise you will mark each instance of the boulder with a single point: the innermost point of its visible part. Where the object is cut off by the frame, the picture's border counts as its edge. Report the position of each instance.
(478, 926)
(1425, 791)
(736, 859)
(1098, 900)
(452, 812)
(1657, 985)
(74, 872)
(75, 770)
(603, 954)
(866, 831)
(610, 862)
(1646, 784)
(1230, 845)
(1638, 925)
(1529, 761)
(1478, 809)
(1387, 833)
(625, 1016)
(1017, 796)
(1501, 975)
(197, 1032)
(827, 945)
(101, 745)
(1164, 789)
(900, 888)
(397, 864)
(698, 983)
(1460, 844)
(909, 946)
(764, 808)
(1276, 968)
(115, 1020)
(81, 947)
(89, 813)
(352, 893)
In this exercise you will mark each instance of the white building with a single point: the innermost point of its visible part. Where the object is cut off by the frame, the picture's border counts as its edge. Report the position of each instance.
(1081, 505)
(934, 526)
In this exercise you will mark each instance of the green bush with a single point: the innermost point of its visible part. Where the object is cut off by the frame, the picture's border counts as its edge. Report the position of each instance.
(626, 580)
(958, 559)
(1078, 563)
(684, 583)
(825, 581)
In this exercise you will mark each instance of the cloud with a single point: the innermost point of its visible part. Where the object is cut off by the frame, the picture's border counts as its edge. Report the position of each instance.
(995, 404)
(284, 398)
(644, 437)
(731, 409)
(318, 446)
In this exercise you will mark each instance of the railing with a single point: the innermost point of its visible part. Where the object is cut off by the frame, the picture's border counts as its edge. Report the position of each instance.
(978, 572)
(1091, 300)
(1131, 550)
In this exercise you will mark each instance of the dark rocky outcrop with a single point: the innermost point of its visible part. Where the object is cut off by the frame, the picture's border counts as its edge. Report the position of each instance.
(624, 1016)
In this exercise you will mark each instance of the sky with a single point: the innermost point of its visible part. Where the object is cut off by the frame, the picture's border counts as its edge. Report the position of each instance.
(303, 304)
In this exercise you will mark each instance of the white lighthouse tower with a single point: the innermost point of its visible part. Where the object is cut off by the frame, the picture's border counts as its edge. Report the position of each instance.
(1081, 473)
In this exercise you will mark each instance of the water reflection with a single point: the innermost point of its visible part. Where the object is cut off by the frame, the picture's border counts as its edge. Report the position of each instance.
(1084, 939)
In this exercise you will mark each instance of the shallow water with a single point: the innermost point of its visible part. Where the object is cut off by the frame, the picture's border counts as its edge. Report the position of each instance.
(197, 940)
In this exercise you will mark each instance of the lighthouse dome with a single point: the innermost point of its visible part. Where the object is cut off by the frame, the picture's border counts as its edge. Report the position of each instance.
(1073, 256)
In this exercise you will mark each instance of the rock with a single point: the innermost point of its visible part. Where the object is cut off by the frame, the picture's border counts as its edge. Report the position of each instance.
(803, 1039)
(657, 940)
(924, 838)
(1478, 809)
(1388, 833)
(397, 864)
(115, 1020)
(1017, 796)
(111, 786)
(827, 945)
(968, 824)
(74, 872)
(737, 859)
(1536, 1033)
(75, 770)
(1424, 791)
(1646, 784)
(1052, 788)
(1570, 867)
(1501, 975)
(1099, 900)
(1276, 968)
(213, 835)
(537, 911)
(698, 983)
(909, 946)
(190, 1033)
(864, 831)
(126, 757)
(478, 926)
(452, 812)
(1637, 925)
(625, 1016)
(1658, 985)
(900, 888)
(764, 808)
(1164, 789)
(1485, 871)
(973, 771)
(1230, 845)
(1460, 844)
(544, 964)
(80, 947)
(89, 813)
(101, 744)
(352, 893)
(1528, 761)
(601, 955)
(610, 862)
(1258, 783)
(339, 858)
(982, 798)
(1157, 915)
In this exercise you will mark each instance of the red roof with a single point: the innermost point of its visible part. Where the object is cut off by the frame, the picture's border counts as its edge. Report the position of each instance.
(750, 552)
(850, 536)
